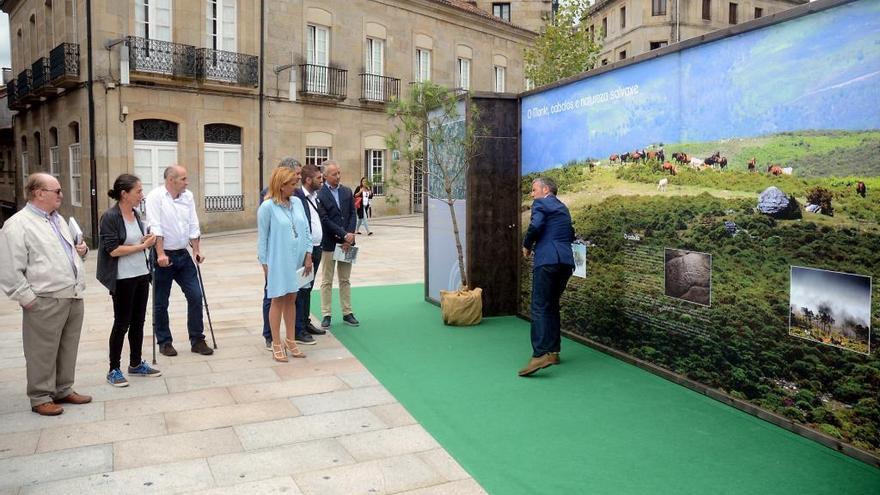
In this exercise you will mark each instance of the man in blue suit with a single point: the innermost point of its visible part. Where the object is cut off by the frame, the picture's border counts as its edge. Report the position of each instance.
(338, 219)
(549, 235)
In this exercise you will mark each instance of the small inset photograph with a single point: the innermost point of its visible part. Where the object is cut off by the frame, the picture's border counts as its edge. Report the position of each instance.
(830, 307)
(579, 251)
(688, 276)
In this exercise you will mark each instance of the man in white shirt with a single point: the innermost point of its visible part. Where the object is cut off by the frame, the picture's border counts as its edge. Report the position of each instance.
(171, 216)
(312, 180)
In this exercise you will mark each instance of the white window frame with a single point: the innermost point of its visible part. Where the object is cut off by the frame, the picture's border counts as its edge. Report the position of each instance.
(376, 168)
(374, 62)
(224, 150)
(317, 78)
(423, 65)
(54, 162)
(75, 155)
(499, 10)
(24, 167)
(464, 73)
(147, 15)
(500, 79)
(156, 170)
(316, 155)
(221, 25)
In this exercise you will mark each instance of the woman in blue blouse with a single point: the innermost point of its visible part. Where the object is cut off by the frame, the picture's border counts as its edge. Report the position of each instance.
(284, 245)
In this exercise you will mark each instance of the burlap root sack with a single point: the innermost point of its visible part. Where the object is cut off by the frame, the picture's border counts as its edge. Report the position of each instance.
(462, 307)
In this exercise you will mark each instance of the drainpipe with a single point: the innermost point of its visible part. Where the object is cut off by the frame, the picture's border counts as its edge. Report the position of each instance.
(677, 21)
(93, 166)
(262, 94)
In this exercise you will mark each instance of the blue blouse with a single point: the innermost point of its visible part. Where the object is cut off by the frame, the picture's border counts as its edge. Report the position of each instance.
(283, 239)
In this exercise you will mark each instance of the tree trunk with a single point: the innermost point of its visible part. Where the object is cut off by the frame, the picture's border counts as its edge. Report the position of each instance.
(464, 281)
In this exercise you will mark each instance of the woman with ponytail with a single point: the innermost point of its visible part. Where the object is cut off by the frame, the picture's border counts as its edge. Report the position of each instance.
(123, 268)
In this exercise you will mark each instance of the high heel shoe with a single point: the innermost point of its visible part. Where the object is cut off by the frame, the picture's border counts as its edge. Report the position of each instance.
(293, 349)
(278, 353)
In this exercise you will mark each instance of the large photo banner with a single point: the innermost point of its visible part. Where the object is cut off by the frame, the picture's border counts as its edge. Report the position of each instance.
(730, 196)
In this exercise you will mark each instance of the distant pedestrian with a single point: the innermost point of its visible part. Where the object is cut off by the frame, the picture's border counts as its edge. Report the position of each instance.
(363, 194)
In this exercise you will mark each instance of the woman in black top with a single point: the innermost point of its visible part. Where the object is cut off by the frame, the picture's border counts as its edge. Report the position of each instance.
(124, 269)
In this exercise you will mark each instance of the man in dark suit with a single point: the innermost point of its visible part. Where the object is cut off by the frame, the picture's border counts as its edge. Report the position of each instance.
(312, 180)
(338, 218)
(549, 235)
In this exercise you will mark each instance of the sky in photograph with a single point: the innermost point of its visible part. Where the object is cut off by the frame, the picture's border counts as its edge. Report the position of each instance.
(848, 296)
(820, 71)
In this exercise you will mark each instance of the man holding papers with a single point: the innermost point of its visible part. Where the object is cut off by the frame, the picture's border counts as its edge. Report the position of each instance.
(312, 180)
(338, 218)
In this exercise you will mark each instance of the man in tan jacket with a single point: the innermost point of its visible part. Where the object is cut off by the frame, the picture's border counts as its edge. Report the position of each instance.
(41, 268)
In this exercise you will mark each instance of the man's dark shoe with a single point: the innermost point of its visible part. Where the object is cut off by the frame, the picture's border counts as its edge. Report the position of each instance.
(305, 339)
(325, 323)
(202, 348)
(167, 349)
(74, 398)
(536, 363)
(350, 320)
(48, 409)
(312, 329)
(269, 344)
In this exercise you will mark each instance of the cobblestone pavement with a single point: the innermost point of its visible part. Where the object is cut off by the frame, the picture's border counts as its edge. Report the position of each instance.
(234, 422)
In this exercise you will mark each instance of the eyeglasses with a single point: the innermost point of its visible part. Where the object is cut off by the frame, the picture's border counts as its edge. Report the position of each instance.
(56, 191)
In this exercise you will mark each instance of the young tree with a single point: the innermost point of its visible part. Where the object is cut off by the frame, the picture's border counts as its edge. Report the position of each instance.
(565, 47)
(430, 127)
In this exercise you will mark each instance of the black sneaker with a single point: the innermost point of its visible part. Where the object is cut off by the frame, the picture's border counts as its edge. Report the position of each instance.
(269, 344)
(312, 329)
(350, 320)
(305, 339)
(167, 349)
(202, 348)
(325, 323)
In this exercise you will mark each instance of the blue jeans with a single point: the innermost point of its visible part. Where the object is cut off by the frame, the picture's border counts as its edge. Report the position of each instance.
(183, 271)
(548, 283)
(304, 296)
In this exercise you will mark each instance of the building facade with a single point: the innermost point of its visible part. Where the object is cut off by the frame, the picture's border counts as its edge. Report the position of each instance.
(178, 81)
(627, 28)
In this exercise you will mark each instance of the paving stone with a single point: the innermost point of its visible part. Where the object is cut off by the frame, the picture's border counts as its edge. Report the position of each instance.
(288, 388)
(162, 478)
(443, 463)
(327, 354)
(342, 399)
(15, 403)
(383, 476)
(73, 414)
(274, 486)
(245, 467)
(389, 442)
(319, 368)
(223, 379)
(461, 487)
(30, 469)
(244, 363)
(223, 352)
(393, 415)
(140, 387)
(16, 444)
(359, 379)
(229, 415)
(182, 401)
(96, 433)
(173, 448)
(181, 369)
(305, 428)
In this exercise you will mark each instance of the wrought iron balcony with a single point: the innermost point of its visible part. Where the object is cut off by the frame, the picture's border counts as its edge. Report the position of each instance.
(379, 89)
(24, 87)
(224, 203)
(64, 65)
(320, 80)
(40, 78)
(12, 98)
(161, 57)
(228, 67)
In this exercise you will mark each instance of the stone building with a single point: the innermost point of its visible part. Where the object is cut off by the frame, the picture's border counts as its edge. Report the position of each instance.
(627, 28)
(178, 81)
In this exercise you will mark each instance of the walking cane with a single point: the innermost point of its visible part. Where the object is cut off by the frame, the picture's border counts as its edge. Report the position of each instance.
(205, 300)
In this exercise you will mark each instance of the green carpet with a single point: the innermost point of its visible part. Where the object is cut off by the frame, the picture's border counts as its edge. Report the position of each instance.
(593, 425)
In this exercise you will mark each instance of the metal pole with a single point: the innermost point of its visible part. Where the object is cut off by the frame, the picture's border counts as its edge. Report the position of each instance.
(93, 166)
(205, 300)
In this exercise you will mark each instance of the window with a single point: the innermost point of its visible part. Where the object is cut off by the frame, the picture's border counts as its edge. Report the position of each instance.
(731, 13)
(592, 32)
(54, 155)
(152, 19)
(623, 18)
(374, 84)
(464, 73)
(499, 79)
(318, 58)
(529, 84)
(604, 61)
(759, 12)
(221, 25)
(155, 148)
(501, 10)
(604, 27)
(622, 54)
(376, 170)
(423, 65)
(707, 10)
(222, 166)
(24, 160)
(74, 153)
(38, 147)
(317, 156)
(658, 44)
(50, 25)
(658, 7)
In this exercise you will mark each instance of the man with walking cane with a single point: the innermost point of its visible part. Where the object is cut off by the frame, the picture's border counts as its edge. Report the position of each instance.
(171, 213)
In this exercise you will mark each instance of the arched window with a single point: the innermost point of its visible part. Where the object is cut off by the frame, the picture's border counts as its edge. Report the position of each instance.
(155, 148)
(223, 168)
(74, 155)
(24, 160)
(155, 130)
(54, 155)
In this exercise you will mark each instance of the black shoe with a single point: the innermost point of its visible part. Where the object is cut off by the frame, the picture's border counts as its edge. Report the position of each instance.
(369, 233)
(312, 329)
(202, 348)
(167, 349)
(325, 323)
(305, 339)
(350, 320)
(269, 344)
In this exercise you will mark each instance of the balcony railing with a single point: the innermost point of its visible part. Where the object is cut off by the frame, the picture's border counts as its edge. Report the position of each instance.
(40, 77)
(161, 57)
(320, 80)
(64, 65)
(24, 86)
(228, 67)
(224, 203)
(12, 96)
(379, 89)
